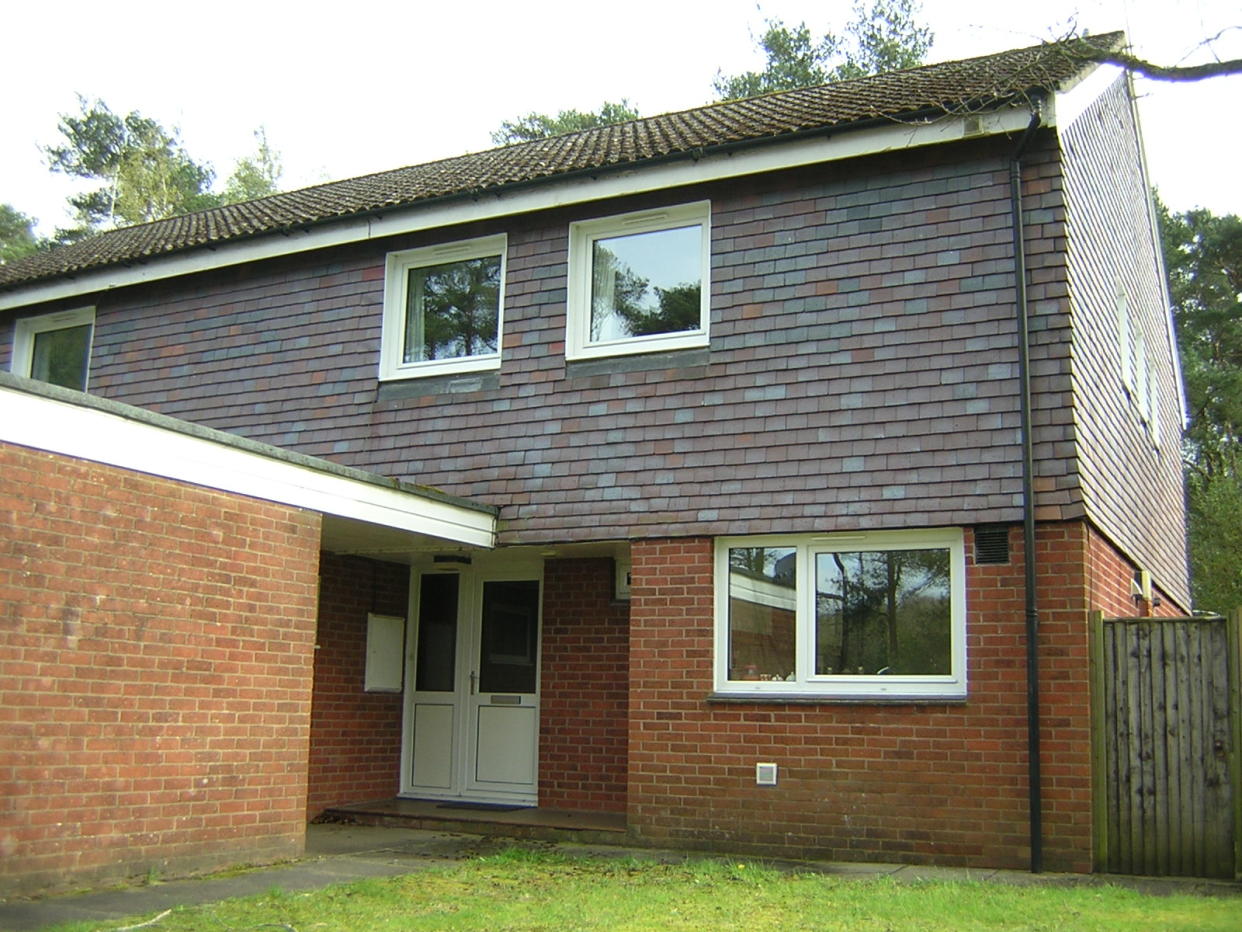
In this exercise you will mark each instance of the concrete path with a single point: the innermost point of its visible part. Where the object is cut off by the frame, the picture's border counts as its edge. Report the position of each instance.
(344, 853)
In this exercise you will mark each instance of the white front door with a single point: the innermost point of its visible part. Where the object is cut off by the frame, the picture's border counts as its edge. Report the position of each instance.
(472, 706)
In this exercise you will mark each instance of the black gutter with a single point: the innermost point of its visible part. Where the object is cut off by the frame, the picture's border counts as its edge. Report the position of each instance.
(1035, 805)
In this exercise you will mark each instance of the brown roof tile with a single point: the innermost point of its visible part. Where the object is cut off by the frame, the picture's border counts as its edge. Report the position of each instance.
(976, 83)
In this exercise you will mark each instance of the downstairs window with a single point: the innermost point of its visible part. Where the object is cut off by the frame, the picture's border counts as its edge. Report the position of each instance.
(866, 616)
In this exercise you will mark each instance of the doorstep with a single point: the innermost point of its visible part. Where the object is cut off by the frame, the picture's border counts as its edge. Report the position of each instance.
(525, 822)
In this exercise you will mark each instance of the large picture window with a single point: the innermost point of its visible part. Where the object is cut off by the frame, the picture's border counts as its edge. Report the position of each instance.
(55, 347)
(443, 308)
(638, 282)
(875, 615)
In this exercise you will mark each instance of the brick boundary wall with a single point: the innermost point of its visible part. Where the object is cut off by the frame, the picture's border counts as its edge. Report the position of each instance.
(584, 688)
(921, 783)
(155, 671)
(355, 736)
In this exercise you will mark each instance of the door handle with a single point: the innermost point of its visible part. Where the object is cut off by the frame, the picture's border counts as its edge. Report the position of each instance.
(473, 676)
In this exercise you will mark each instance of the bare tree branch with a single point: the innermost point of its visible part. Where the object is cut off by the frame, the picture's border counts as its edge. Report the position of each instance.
(1164, 72)
(1085, 50)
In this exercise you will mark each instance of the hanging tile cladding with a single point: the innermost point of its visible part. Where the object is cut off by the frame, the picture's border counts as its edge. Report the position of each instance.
(862, 368)
(1131, 476)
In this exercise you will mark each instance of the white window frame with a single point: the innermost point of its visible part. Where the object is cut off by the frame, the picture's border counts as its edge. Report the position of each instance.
(1142, 378)
(27, 328)
(1153, 407)
(808, 684)
(396, 278)
(1125, 339)
(582, 236)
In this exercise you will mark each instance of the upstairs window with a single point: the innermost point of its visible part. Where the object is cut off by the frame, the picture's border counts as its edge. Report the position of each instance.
(864, 616)
(443, 308)
(639, 282)
(55, 348)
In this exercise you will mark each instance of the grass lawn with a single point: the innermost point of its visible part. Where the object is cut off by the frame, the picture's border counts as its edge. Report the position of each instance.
(524, 890)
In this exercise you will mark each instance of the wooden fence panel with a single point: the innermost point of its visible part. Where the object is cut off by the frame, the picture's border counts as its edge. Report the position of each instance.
(1165, 746)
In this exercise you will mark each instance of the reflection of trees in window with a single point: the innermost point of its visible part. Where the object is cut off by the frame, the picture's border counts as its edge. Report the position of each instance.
(883, 611)
(624, 304)
(453, 310)
(773, 563)
(60, 356)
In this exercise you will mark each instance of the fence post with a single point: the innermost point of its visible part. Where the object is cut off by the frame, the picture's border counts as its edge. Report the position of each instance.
(1235, 723)
(1099, 783)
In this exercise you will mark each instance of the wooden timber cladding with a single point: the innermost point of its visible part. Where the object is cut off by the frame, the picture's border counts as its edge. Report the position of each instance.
(1165, 745)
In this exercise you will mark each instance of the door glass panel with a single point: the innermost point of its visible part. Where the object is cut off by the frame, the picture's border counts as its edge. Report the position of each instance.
(509, 648)
(437, 633)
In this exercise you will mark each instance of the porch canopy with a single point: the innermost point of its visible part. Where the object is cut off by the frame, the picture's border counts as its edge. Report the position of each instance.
(361, 511)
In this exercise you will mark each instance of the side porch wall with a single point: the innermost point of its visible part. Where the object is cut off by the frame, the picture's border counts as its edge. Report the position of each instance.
(355, 736)
(585, 688)
(942, 783)
(155, 668)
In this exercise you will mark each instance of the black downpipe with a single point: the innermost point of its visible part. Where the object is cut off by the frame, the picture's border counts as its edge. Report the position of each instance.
(1035, 806)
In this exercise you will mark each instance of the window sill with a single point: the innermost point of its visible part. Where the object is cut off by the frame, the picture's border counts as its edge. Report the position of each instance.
(439, 368)
(648, 362)
(638, 346)
(456, 384)
(794, 698)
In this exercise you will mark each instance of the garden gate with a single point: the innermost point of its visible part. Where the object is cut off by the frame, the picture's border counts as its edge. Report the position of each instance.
(1165, 735)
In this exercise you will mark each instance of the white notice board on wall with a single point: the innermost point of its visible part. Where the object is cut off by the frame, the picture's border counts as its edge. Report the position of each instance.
(385, 653)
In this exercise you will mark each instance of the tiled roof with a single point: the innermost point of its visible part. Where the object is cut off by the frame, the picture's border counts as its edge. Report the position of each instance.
(976, 83)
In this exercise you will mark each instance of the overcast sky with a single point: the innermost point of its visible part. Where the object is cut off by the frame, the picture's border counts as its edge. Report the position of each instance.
(346, 88)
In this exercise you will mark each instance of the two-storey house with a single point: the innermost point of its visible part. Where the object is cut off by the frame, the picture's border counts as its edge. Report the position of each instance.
(726, 474)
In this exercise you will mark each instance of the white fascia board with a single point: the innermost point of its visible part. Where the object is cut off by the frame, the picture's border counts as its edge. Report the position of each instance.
(102, 437)
(606, 183)
(1068, 106)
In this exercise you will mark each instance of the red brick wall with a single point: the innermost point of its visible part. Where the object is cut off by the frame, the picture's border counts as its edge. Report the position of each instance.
(1111, 578)
(355, 737)
(1064, 689)
(584, 688)
(943, 783)
(155, 664)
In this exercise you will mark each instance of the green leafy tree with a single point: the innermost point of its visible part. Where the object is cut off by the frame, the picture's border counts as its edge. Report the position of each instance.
(540, 125)
(1215, 519)
(143, 171)
(882, 36)
(254, 176)
(17, 235)
(1203, 256)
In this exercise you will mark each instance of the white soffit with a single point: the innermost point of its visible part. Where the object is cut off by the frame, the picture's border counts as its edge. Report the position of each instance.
(100, 436)
(831, 146)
